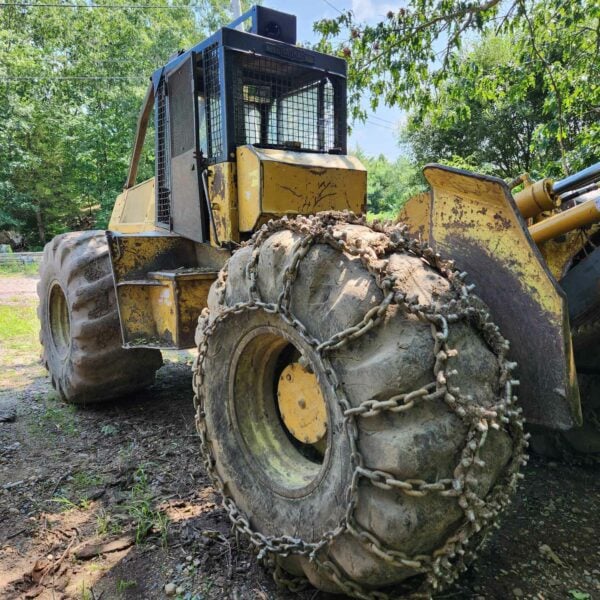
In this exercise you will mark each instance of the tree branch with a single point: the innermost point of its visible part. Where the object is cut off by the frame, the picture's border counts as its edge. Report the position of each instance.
(559, 104)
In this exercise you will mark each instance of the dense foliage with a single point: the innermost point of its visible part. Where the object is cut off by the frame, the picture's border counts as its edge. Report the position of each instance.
(522, 94)
(499, 87)
(390, 183)
(71, 85)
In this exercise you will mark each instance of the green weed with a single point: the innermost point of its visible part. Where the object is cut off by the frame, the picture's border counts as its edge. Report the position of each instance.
(59, 418)
(577, 595)
(125, 584)
(107, 525)
(68, 504)
(86, 593)
(84, 480)
(108, 430)
(140, 508)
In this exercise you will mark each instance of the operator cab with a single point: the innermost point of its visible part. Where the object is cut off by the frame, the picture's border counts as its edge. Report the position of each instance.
(240, 88)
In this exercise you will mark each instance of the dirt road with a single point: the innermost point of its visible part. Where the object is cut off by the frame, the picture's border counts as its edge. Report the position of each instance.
(113, 502)
(21, 289)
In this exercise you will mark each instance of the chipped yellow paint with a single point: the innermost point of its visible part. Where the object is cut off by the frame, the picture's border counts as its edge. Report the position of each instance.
(159, 305)
(176, 310)
(132, 255)
(133, 211)
(273, 183)
(475, 222)
(162, 311)
(222, 191)
(477, 210)
(301, 404)
(136, 319)
(415, 215)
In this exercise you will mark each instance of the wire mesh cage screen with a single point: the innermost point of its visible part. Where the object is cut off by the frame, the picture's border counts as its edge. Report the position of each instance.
(162, 157)
(212, 104)
(283, 105)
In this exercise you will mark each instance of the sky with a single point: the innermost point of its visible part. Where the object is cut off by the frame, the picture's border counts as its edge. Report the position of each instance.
(379, 134)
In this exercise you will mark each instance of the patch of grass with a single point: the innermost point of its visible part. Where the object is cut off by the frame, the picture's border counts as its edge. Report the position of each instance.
(140, 508)
(577, 595)
(58, 418)
(106, 524)
(108, 430)
(19, 268)
(84, 480)
(19, 328)
(68, 504)
(125, 584)
(78, 491)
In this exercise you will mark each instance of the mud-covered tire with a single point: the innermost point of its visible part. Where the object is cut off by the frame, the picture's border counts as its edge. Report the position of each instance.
(79, 323)
(580, 444)
(403, 489)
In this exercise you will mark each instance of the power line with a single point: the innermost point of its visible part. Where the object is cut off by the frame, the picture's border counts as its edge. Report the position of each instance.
(103, 6)
(333, 6)
(379, 125)
(380, 119)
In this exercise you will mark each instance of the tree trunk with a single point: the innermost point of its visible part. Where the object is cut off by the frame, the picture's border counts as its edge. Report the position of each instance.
(40, 224)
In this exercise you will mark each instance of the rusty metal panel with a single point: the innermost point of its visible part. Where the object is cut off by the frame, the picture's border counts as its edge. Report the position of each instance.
(475, 222)
(162, 283)
(178, 304)
(222, 191)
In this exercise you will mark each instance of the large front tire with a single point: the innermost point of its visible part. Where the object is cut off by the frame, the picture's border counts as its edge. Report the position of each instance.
(423, 441)
(80, 334)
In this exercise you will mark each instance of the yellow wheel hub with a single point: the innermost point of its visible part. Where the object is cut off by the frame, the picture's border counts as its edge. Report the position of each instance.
(301, 404)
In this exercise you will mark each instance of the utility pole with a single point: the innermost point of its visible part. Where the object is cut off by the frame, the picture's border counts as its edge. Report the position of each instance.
(236, 9)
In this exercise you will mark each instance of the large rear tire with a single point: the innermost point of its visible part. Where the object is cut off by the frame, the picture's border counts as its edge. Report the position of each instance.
(423, 441)
(80, 333)
(580, 444)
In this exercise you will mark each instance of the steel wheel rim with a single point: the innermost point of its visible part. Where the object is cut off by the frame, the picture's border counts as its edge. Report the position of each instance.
(59, 319)
(279, 461)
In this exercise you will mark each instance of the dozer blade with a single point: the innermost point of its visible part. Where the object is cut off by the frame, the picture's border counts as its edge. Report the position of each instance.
(473, 220)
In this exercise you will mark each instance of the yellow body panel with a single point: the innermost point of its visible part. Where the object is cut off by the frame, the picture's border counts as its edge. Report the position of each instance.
(478, 209)
(133, 211)
(273, 183)
(222, 191)
(415, 214)
(163, 311)
(162, 284)
(559, 253)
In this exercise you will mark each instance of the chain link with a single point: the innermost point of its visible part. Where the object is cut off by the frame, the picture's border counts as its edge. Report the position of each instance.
(445, 563)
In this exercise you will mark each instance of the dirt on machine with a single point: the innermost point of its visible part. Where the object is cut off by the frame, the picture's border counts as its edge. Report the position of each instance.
(355, 393)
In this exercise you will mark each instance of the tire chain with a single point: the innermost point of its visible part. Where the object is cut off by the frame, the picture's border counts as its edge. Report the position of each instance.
(445, 564)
